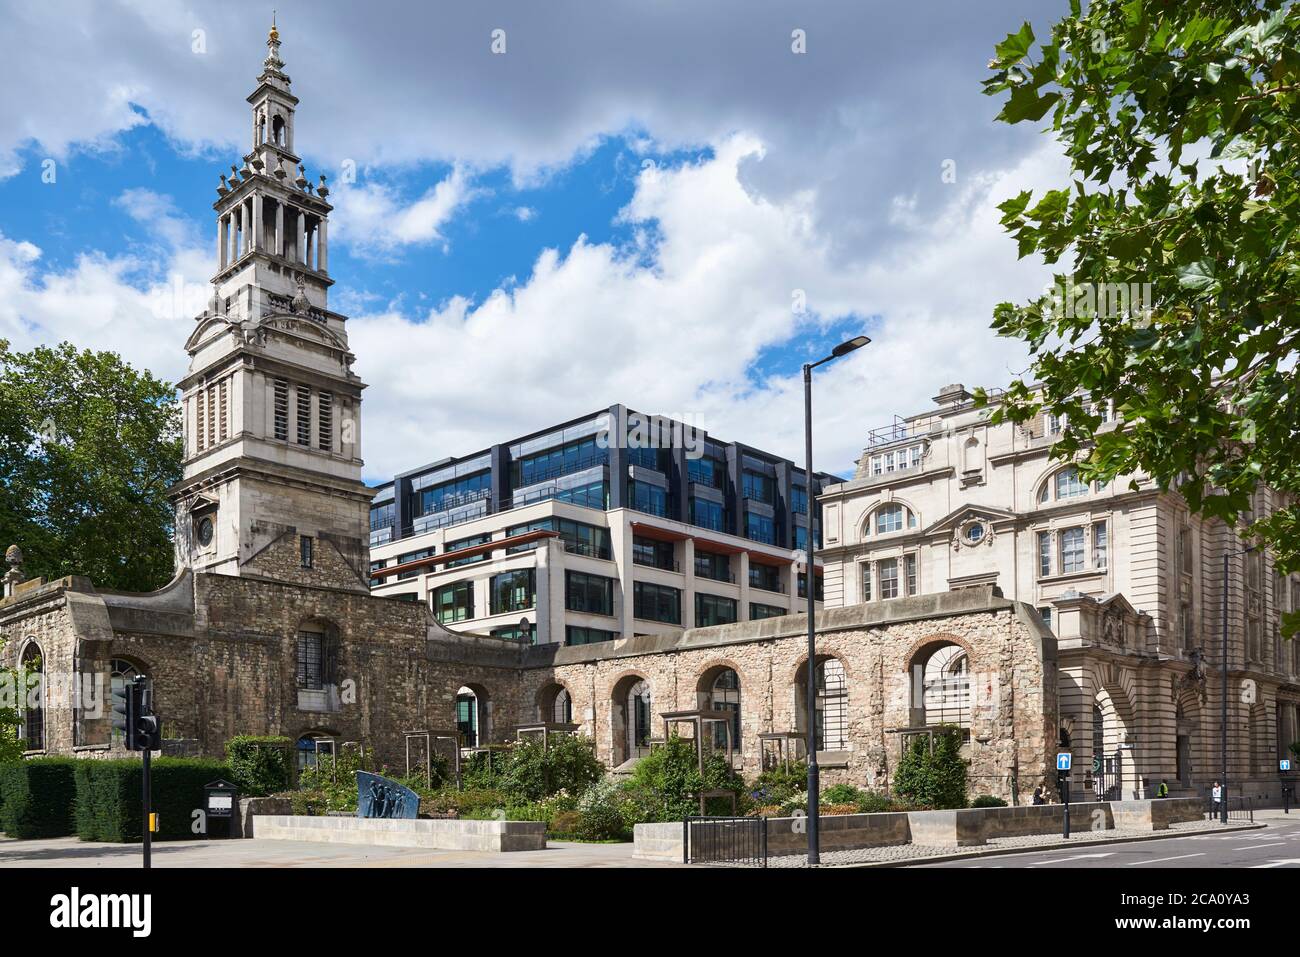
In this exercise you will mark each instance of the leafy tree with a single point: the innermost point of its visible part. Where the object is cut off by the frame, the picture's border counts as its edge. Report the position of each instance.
(88, 449)
(1181, 124)
(11, 690)
(667, 782)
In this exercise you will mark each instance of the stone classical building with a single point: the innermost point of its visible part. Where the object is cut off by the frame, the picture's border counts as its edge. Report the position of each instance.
(1130, 583)
(270, 627)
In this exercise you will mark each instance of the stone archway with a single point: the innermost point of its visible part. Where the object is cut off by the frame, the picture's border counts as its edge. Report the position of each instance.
(1187, 738)
(631, 718)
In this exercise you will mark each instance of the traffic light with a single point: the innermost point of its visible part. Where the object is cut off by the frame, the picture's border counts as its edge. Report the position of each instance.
(124, 712)
(134, 716)
(148, 727)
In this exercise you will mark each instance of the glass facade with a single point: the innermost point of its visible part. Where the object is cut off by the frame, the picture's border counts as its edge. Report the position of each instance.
(706, 514)
(758, 487)
(647, 498)
(578, 537)
(714, 610)
(757, 610)
(653, 553)
(578, 635)
(707, 471)
(514, 590)
(553, 463)
(760, 528)
(453, 602)
(468, 543)
(714, 566)
(766, 577)
(657, 603)
(593, 594)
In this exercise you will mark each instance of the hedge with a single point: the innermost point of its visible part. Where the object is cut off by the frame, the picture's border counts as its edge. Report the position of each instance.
(38, 797)
(260, 765)
(108, 797)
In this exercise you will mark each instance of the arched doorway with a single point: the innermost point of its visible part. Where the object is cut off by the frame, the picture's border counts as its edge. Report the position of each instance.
(1187, 733)
(718, 689)
(1112, 768)
(632, 718)
(831, 704)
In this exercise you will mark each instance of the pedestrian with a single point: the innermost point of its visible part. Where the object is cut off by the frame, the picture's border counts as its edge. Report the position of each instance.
(1163, 790)
(1038, 795)
(1216, 798)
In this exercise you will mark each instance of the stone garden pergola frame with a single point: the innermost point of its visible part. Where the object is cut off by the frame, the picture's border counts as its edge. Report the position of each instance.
(699, 719)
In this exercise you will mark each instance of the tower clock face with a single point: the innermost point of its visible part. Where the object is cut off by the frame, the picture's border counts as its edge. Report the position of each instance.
(204, 531)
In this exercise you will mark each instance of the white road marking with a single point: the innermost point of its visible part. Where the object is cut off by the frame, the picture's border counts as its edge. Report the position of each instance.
(1276, 863)
(1160, 859)
(1254, 847)
(1072, 857)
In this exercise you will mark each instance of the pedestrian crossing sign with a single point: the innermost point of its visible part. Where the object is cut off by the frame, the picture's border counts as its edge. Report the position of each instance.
(1063, 761)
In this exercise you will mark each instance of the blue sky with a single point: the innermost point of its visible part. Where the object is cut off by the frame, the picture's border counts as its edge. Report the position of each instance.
(624, 206)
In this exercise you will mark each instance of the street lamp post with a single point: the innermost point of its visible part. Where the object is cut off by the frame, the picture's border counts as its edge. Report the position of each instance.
(1223, 692)
(814, 845)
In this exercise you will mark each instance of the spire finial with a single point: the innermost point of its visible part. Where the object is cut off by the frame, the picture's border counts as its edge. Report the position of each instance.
(273, 61)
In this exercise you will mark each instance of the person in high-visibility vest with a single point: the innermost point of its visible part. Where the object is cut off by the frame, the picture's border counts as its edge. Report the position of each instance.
(1163, 790)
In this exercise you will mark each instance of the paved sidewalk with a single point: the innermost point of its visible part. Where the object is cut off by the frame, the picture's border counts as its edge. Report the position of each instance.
(70, 852)
(902, 855)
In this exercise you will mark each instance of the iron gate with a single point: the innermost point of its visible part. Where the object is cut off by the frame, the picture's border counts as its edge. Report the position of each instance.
(725, 840)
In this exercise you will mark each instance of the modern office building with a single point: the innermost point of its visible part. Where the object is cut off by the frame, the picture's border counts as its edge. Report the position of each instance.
(610, 525)
(1130, 582)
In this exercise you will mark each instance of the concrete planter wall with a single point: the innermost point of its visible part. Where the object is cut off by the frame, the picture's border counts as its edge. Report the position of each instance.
(966, 827)
(441, 835)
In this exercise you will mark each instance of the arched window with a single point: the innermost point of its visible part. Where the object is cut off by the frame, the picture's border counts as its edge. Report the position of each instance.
(639, 717)
(724, 695)
(468, 718)
(562, 709)
(1064, 485)
(892, 518)
(32, 675)
(941, 687)
(831, 704)
(310, 745)
(121, 673)
(277, 130)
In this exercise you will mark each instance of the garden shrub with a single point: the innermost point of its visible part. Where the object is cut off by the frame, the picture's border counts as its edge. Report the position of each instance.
(37, 797)
(933, 778)
(988, 800)
(779, 783)
(841, 794)
(529, 772)
(108, 797)
(665, 783)
(601, 813)
(259, 765)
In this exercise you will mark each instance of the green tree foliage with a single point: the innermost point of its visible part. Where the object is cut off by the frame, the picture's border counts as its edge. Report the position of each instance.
(530, 772)
(935, 777)
(88, 449)
(666, 783)
(259, 765)
(11, 747)
(1179, 121)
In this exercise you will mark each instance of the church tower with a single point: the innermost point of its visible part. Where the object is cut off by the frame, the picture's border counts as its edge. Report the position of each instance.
(272, 470)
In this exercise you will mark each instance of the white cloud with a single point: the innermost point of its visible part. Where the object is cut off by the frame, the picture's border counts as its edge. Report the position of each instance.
(373, 220)
(676, 325)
